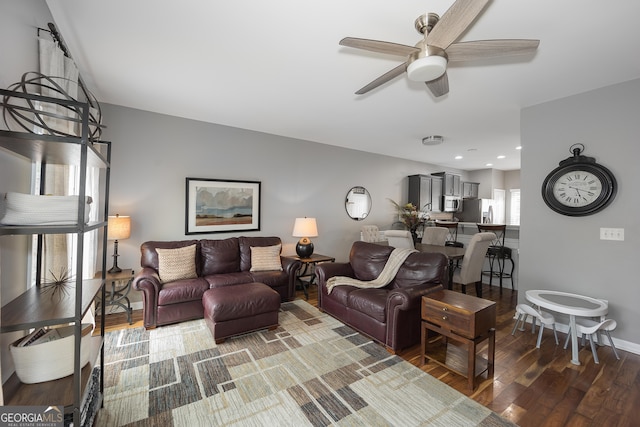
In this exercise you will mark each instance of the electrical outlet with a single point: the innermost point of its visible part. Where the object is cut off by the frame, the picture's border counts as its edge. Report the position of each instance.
(611, 233)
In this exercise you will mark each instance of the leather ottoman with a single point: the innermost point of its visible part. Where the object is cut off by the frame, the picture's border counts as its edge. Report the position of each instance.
(238, 309)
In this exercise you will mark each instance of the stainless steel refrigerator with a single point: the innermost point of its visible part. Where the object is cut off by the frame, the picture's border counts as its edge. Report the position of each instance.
(476, 210)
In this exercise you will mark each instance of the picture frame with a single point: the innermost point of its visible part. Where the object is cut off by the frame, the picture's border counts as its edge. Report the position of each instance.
(221, 206)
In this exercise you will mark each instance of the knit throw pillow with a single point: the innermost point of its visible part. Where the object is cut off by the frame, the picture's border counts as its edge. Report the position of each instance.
(264, 258)
(176, 264)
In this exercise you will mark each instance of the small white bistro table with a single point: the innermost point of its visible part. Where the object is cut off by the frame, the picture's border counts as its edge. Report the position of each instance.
(571, 304)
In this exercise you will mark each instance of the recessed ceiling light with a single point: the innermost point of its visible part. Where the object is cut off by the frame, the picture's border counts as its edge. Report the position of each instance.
(519, 147)
(501, 156)
(489, 164)
(458, 157)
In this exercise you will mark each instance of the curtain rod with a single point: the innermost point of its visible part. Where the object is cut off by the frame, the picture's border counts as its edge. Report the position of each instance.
(58, 39)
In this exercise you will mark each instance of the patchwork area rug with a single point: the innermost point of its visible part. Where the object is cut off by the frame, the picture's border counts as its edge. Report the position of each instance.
(312, 370)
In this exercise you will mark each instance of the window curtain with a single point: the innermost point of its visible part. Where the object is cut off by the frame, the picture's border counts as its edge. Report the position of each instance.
(59, 252)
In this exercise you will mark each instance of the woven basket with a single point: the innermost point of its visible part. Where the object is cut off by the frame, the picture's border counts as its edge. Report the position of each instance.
(51, 360)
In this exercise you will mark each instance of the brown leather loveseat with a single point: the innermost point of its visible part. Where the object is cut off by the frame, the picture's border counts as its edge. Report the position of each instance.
(390, 315)
(218, 263)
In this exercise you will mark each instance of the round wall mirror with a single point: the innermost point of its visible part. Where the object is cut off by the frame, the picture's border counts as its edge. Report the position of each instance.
(358, 203)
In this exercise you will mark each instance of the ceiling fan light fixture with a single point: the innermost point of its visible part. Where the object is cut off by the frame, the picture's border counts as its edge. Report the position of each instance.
(427, 68)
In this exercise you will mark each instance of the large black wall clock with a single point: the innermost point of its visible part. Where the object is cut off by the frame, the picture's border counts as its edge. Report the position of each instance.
(579, 186)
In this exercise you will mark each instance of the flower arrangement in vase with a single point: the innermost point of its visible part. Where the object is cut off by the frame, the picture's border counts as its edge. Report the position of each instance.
(411, 217)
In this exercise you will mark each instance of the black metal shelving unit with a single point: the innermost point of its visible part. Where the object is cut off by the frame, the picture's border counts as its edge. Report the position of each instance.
(33, 308)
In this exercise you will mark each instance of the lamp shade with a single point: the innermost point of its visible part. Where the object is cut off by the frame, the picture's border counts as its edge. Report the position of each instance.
(119, 227)
(305, 227)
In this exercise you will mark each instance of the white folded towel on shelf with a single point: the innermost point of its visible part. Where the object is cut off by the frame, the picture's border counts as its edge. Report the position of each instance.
(30, 209)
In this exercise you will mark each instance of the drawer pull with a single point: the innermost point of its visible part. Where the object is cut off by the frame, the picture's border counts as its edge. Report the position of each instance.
(444, 308)
(444, 317)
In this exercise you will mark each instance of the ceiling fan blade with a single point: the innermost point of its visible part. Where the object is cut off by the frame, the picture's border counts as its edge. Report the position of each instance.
(483, 49)
(454, 21)
(389, 75)
(439, 86)
(379, 46)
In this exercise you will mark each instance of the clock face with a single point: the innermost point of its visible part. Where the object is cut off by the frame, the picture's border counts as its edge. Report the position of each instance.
(577, 188)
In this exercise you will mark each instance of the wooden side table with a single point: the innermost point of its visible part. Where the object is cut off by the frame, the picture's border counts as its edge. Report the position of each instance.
(463, 318)
(117, 294)
(307, 274)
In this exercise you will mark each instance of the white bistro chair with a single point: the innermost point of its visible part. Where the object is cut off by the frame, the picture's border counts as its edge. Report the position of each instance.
(589, 328)
(546, 319)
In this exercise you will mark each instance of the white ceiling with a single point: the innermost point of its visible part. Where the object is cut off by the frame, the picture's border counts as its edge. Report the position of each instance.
(276, 67)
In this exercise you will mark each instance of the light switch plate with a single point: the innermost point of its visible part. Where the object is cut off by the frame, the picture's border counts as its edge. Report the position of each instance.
(611, 233)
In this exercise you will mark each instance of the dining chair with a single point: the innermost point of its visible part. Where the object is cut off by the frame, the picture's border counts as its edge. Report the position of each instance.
(370, 233)
(588, 327)
(546, 319)
(452, 238)
(471, 267)
(435, 235)
(399, 238)
(498, 253)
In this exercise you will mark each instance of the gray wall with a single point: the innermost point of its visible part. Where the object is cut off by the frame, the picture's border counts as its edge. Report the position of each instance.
(565, 253)
(153, 154)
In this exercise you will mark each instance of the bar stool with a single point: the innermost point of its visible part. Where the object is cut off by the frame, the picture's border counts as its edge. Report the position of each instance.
(498, 253)
(452, 238)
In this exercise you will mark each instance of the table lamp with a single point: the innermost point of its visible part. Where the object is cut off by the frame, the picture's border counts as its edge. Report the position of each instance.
(305, 228)
(118, 228)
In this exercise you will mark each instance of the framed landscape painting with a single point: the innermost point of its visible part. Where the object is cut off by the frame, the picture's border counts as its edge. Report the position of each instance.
(218, 206)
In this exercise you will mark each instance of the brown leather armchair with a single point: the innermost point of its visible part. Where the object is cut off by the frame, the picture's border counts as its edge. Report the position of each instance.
(390, 315)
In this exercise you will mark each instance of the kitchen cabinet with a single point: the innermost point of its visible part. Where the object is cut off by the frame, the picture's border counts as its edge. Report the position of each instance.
(425, 192)
(450, 183)
(470, 190)
(34, 308)
(420, 192)
(436, 194)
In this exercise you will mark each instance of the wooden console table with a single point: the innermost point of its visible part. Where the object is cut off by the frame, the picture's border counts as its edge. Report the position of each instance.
(463, 318)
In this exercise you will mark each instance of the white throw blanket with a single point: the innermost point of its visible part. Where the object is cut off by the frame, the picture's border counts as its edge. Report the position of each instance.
(396, 259)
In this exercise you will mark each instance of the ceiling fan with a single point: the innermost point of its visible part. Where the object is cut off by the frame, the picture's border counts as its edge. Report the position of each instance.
(427, 61)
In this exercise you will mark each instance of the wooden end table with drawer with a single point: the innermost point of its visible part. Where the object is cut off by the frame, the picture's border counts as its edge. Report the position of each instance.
(465, 319)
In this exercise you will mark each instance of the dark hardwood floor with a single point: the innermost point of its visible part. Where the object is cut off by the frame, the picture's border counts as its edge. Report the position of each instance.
(532, 387)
